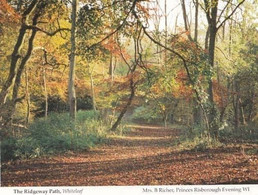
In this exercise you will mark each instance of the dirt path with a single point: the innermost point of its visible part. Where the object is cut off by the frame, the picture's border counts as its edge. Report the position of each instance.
(145, 156)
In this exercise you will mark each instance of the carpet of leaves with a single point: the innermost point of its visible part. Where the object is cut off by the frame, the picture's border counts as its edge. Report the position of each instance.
(145, 156)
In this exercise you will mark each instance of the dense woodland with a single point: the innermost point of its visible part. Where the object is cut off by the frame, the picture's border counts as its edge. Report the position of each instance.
(73, 72)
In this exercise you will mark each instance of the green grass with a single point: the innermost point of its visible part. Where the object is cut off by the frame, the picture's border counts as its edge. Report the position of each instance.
(56, 134)
(195, 138)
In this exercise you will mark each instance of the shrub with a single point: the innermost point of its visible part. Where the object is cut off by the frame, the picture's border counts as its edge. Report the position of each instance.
(196, 138)
(201, 146)
(8, 148)
(245, 132)
(56, 134)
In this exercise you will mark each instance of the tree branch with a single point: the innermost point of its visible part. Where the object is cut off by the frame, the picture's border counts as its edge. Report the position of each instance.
(46, 32)
(224, 54)
(117, 29)
(207, 10)
(230, 15)
(224, 10)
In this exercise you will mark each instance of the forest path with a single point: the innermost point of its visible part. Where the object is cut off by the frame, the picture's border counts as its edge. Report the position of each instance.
(145, 156)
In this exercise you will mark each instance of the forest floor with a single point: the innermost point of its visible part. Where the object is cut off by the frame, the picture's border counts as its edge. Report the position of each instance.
(144, 156)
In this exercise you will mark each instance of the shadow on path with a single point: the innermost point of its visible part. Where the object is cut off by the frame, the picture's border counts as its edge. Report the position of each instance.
(145, 156)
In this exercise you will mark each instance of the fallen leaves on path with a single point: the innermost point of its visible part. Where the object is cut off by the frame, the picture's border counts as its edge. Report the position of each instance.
(145, 156)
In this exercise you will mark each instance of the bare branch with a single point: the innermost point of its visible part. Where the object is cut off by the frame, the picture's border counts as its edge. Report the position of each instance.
(224, 54)
(207, 10)
(224, 9)
(46, 32)
(229, 16)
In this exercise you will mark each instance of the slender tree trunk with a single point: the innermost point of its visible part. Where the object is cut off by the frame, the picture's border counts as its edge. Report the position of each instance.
(211, 49)
(111, 68)
(186, 23)
(210, 40)
(206, 44)
(45, 91)
(165, 119)
(197, 111)
(211, 62)
(166, 33)
(175, 30)
(185, 17)
(251, 106)
(223, 106)
(27, 97)
(242, 112)
(196, 20)
(92, 92)
(157, 33)
(129, 102)
(223, 31)
(252, 98)
(71, 87)
(235, 101)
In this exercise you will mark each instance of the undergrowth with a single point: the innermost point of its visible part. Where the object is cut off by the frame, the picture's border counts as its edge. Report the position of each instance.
(196, 138)
(57, 134)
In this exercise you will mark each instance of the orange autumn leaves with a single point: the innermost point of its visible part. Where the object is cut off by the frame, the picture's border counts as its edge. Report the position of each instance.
(7, 13)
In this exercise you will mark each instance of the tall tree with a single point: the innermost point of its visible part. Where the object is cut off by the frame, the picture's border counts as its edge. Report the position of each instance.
(166, 32)
(16, 54)
(196, 20)
(33, 11)
(214, 24)
(71, 87)
(187, 27)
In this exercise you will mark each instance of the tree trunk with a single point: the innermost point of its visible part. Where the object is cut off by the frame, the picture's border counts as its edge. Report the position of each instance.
(206, 44)
(71, 87)
(175, 30)
(45, 91)
(242, 112)
(165, 119)
(21, 68)
(236, 104)
(211, 9)
(185, 16)
(16, 54)
(251, 105)
(129, 102)
(197, 111)
(25, 60)
(212, 21)
(111, 68)
(166, 34)
(92, 92)
(196, 21)
(27, 92)
(16, 74)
